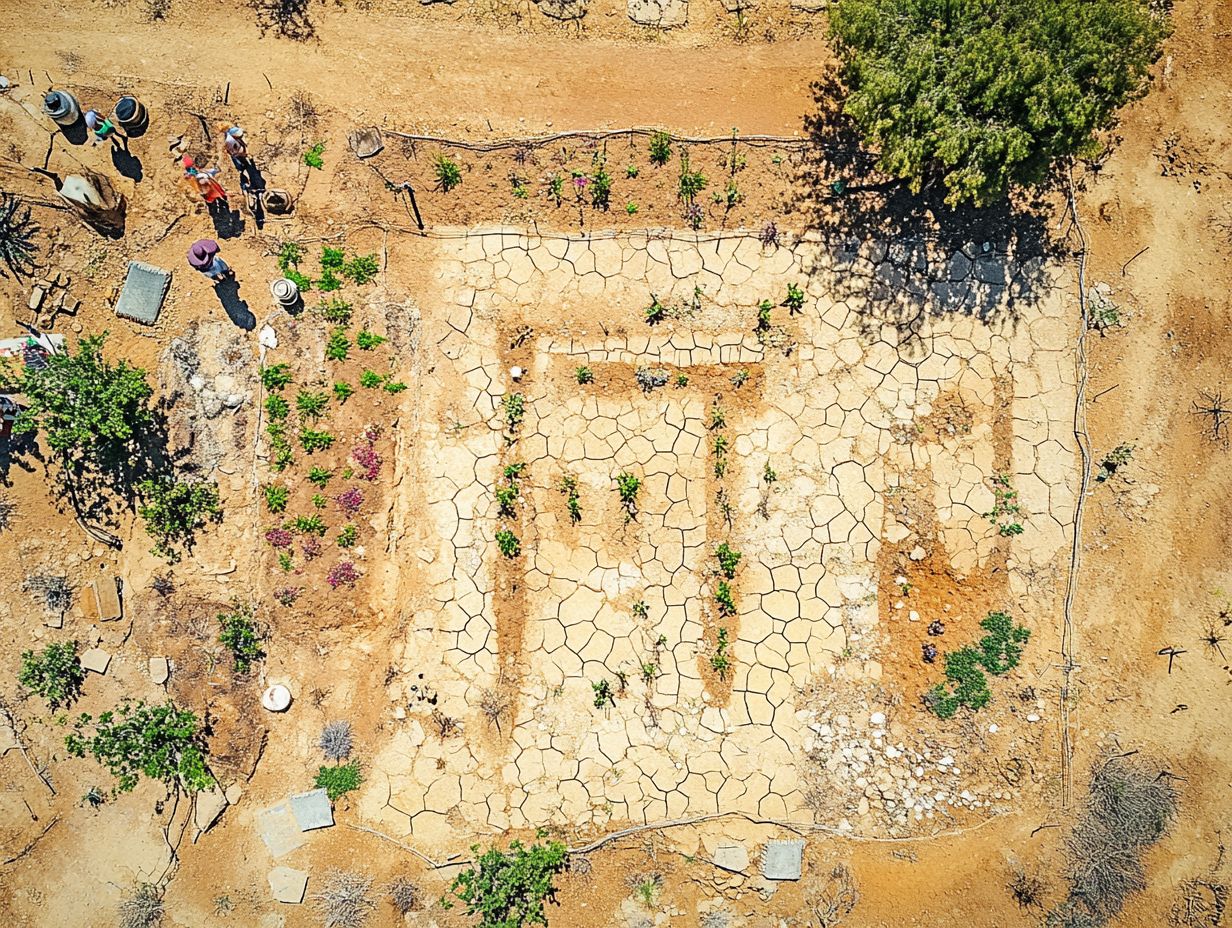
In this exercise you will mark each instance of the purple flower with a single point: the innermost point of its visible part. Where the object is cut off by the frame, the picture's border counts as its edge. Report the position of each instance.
(368, 460)
(350, 500)
(311, 546)
(342, 574)
(278, 537)
(287, 595)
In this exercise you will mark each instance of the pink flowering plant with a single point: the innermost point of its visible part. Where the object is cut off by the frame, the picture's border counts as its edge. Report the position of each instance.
(342, 574)
(350, 500)
(278, 537)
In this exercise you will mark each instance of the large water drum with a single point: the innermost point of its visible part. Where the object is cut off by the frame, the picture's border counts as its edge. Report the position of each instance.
(61, 106)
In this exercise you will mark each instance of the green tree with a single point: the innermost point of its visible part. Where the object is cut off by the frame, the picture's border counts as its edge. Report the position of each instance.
(89, 410)
(988, 93)
(173, 511)
(160, 742)
(508, 888)
(55, 674)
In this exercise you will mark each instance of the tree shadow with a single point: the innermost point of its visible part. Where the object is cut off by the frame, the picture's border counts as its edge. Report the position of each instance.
(902, 258)
(20, 451)
(287, 18)
(228, 290)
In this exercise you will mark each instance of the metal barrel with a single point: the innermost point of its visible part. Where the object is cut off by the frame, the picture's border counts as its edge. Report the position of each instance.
(62, 107)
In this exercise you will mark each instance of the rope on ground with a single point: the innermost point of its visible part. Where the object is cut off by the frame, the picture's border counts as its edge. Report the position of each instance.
(1084, 448)
(600, 135)
(30, 847)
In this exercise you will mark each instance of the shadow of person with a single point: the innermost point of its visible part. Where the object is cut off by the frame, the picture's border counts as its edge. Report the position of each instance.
(127, 164)
(228, 223)
(228, 291)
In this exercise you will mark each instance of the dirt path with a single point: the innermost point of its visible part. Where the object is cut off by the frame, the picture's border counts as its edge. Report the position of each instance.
(460, 79)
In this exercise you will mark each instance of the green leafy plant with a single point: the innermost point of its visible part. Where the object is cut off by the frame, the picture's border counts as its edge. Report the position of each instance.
(632, 171)
(332, 258)
(584, 374)
(276, 376)
(318, 501)
(448, 174)
(319, 476)
(569, 487)
(508, 889)
(347, 537)
(515, 410)
(281, 454)
(55, 673)
(508, 543)
(314, 440)
(240, 635)
(1005, 510)
(764, 309)
(723, 596)
(91, 412)
(394, 386)
(794, 301)
(555, 187)
(361, 269)
(966, 685)
(720, 455)
(507, 498)
(285, 561)
(718, 418)
(660, 148)
(173, 510)
(134, 740)
(682, 380)
(1113, 461)
(640, 609)
(603, 694)
(740, 378)
(276, 498)
(911, 66)
(343, 391)
(600, 182)
(339, 780)
(336, 310)
(338, 345)
(768, 474)
(690, 182)
(370, 380)
(656, 311)
(368, 340)
(309, 525)
(627, 487)
(313, 156)
(311, 405)
(720, 660)
(728, 559)
(276, 407)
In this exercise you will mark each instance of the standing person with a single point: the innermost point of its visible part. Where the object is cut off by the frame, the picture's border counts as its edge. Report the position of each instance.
(203, 255)
(237, 148)
(209, 188)
(104, 129)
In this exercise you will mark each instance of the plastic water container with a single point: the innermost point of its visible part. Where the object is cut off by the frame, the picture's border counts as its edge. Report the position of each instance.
(130, 113)
(62, 107)
(285, 292)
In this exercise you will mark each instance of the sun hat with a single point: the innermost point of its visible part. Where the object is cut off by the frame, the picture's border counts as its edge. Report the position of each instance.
(201, 253)
(235, 132)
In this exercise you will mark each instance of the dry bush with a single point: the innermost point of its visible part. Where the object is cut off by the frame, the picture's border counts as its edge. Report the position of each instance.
(335, 740)
(143, 908)
(837, 898)
(404, 894)
(345, 900)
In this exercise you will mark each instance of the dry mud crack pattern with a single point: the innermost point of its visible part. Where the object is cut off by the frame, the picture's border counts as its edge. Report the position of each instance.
(885, 332)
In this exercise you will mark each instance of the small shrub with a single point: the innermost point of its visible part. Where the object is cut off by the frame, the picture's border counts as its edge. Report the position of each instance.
(287, 595)
(1005, 510)
(966, 686)
(394, 386)
(1115, 459)
(338, 346)
(345, 900)
(515, 410)
(720, 455)
(655, 312)
(690, 183)
(313, 440)
(142, 908)
(723, 596)
(448, 174)
(173, 510)
(507, 499)
(276, 498)
(289, 255)
(331, 258)
(279, 537)
(720, 661)
(569, 487)
(660, 148)
(632, 171)
(336, 311)
(640, 609)
(682, 380)
(276, 407)
(600, 183)
(627, 487)
(342, 574)
(740, 378)
(404, 894)
(239, 634)
(508, 543)
(768, 475)
(348, 537)
(335, 740)
(339, 780)
(554, 187)
(310, 547)
(159, 742)
(309, 525)
(369, 462)
(507, 889)
(795, 299)
(329, 282)
(313, 156)
(55, 674)
(603, 694)
(319, 476)
(584, 375)
(728, 559)
(370, 380)
(764, 309)
(361, 269)
(311, 405)
(302, 282)
(285, 561)
(343, 392)
(368, 340)
(318, 501)
(718, 418)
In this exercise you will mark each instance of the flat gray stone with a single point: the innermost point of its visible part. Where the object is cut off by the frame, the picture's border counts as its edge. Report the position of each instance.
(783, 860)
(145, 288)
(288, 885)
(732, 857)
(312, 810)
(107, 598)
(809, 6)
(279, 830)
(96, 660)
(367, 142)
(666, 14)
(210, 804)
(160, 670)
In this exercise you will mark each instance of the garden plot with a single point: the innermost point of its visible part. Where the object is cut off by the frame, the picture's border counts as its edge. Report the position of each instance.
(617, 685)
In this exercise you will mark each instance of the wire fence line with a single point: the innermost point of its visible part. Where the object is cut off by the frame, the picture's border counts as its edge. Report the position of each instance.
(795, 142)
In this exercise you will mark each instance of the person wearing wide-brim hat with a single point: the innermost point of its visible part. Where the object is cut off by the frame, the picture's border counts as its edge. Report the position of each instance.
(203, 255)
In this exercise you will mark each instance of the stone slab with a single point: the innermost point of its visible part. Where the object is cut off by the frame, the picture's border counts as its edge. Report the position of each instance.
(106, 598)
(279, 830)
(288, 885)
(783, 860)
(312, 810)
(210, 805)
(96, 660)
(160, 670)
(732, 857)
(665, 14)
(145, 288)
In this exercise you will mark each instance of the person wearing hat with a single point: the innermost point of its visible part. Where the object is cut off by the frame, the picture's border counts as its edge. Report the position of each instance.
(237, 148)
(209, 188)
(203, 255)
(104, 129)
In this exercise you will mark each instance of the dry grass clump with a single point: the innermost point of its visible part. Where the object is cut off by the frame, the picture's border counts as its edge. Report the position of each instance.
(345, 900)
(143, 908)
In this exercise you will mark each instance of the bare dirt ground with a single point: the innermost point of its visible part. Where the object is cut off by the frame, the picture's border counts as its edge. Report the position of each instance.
(919, 369)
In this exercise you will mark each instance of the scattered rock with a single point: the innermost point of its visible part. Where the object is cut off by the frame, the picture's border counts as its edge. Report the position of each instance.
(665, 14)
(917, 553)
(160, 670)
(36, 298)
(288, 885)
(210, 804)
(96, 660)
